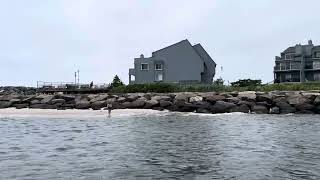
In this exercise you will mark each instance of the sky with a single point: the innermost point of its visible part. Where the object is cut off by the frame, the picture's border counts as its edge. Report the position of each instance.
(48, 40)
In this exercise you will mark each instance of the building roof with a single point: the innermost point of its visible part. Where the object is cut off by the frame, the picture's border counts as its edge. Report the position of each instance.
(203, 53)
(186, 40)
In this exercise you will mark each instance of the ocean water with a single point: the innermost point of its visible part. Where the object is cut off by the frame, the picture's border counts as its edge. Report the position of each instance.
(158, 145)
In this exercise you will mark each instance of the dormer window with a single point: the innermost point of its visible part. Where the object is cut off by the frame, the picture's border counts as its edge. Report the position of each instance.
(289, 56)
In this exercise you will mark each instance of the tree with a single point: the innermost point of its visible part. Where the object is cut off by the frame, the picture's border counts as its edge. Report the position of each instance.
(116, 82)
(246, 83)
(218, 82)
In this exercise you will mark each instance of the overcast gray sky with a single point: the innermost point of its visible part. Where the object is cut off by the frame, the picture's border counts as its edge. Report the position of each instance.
(50, 39)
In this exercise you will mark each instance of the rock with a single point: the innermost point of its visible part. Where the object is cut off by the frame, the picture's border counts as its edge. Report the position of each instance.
(241, 108)
(165, 104)
(67, 106)
(67, 98)
(9, 97)
(305, 107)
(142, 99)
(159, 98)
(214, 98)
(135, 104)
(266, 104)
(111, 100)
(56, 101)
(121, 99)
(132, 97)
(15, 101)
(202, 110)
(97, 105)
(35, 102)
(158, 108)
(250, 104)
(116, 105)
(195, 99)
(5, 104)
(305, 112)
(47, 99)
(43, 106)
(247, 95)
(275, 110)
(222, 107)
(317, 109)
(151, 104)
(317, 101)
(296, 99)
(285, 108)
(264, 98)
(21, 106)
(27, 99)
(234, 93)
(234, 100)
(184, 96)
(82, 104)
(280, 99)
(101, 97)
(259, 109)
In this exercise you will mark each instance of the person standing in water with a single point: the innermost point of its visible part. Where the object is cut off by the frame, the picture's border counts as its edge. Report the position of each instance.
(109, 107)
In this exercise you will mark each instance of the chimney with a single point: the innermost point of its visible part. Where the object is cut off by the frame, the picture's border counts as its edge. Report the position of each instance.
(141, 56)
(310, 42)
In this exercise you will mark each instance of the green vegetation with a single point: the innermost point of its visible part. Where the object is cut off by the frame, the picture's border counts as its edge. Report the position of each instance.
(116, 82)
(216, 86)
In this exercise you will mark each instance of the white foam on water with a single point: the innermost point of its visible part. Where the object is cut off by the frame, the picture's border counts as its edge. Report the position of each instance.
(75, 113)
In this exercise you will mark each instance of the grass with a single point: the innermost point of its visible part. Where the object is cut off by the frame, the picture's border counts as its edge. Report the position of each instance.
(169, 88)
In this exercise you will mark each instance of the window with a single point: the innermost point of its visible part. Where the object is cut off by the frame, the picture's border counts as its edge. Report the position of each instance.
(144, 66)
(316, 76)
(317, 55)
(158, 66)
(289, 56)
(159, 77)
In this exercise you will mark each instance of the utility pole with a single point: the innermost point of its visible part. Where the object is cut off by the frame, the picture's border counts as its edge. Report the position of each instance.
(75, 78)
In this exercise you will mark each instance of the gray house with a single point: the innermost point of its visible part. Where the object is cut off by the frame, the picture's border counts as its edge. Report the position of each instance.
(300, 63)
(178, 63)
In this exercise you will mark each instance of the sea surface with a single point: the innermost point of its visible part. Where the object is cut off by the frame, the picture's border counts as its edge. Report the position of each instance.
(159, 145)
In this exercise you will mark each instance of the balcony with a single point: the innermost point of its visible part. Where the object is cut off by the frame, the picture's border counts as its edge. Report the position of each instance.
(288, 67)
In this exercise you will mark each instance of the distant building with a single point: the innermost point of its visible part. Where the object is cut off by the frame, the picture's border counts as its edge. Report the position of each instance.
(300, 63)
(178, 63)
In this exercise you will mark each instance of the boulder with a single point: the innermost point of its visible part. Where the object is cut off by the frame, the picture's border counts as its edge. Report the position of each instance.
(97, 105)
(222, 107)
(67, 98)
(21, 106)
(5, 104)
(184, 96)
(27, 99)
(101, 97)
(159, 98)
(317, 109)
(47, 99)
(305, 107)
(82, 104)
(195, 99)
(43, 106)
(296, 99)
(158, 108)
(35, 102)
(135, 104)
(250, 104)
(305, 112)
(234, 100)
(67, 106)
(202, 110)
(165, 103)
(58, 101)
(151, 104)
(317, 101)
(275, 110)
(279, 99)
(241, 108)
(247, 95)
(264, 98)
(285, 108)
(121, 100)
(15, 101)
(9, 97)
(259, 109)
(132, 97)
(213, 99)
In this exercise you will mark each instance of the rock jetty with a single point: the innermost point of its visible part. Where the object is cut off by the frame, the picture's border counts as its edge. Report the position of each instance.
(276, 102)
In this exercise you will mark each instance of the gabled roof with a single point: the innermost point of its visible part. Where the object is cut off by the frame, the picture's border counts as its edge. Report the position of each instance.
(203, 53)
(290, 50)
(186, 40)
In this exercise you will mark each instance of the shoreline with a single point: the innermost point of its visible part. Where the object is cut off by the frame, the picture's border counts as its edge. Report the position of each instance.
(276, 102)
